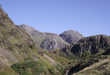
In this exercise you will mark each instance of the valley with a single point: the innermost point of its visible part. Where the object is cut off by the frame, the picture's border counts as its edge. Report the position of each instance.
(27, 51)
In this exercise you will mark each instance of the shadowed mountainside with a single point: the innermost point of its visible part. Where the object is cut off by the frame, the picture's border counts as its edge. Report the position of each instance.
(92, 44)
(92, 52)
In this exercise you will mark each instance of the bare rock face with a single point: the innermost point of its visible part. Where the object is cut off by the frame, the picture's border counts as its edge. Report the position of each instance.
(71, 36)
(36, 35)
(49, 41)
(92, 44)
(53, 41)
(49, 44)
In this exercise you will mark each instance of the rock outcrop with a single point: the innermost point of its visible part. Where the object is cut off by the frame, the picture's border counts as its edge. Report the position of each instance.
(92, 44)
(71, 36)
(49, 41)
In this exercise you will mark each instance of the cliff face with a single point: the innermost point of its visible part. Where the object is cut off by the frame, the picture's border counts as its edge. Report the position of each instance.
(93, 44)
(93, 55)
(53, 41)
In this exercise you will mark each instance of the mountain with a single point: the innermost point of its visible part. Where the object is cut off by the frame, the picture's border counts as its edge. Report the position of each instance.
(13, 40)
(19, 54)
(22, 51)
(93, 56)
(71, 36)
(49, 41)
(92, 44)
(15, 44)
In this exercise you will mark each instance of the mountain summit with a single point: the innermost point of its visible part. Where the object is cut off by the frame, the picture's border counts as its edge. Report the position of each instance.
(71, 36)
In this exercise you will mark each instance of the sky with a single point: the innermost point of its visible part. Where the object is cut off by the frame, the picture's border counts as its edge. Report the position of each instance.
(89, 17)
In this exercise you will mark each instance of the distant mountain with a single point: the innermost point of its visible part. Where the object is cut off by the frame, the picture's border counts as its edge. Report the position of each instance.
(71, 36)
(49, 41)
(22, 51)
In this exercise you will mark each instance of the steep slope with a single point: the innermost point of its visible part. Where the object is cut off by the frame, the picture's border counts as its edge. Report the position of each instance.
(12, 39)
(49, 41)
(91, 53)
(36, 35)
(92, 45)
(18, 53)
(100, 68)
(71, 36)
(15, 45)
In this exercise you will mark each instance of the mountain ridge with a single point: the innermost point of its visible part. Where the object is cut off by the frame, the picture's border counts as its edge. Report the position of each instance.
(50, 38)
(21, 51)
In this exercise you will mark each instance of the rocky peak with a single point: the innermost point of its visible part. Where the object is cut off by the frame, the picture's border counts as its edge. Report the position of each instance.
(71, 36)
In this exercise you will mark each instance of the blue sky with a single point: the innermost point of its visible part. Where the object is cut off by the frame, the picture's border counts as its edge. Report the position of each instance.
(89, 17)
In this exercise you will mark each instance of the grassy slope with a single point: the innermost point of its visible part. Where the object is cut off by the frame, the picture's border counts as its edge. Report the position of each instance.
(19, 46)
(100, 68)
